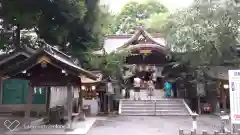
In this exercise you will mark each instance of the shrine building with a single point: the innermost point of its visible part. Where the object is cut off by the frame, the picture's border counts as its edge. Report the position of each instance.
(146, 51)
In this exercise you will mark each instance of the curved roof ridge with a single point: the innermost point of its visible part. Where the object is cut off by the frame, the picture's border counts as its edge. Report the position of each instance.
(140, 31)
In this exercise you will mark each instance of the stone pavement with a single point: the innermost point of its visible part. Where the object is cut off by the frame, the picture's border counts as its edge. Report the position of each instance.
(152, 125)
(80, 128)
(11, 119)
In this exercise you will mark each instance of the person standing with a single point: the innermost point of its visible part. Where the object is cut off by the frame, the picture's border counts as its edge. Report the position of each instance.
(137, 85)
(174, 89)
(168, 89)
(154, 78)
(127, 89)
(147, 77)
(150, 89)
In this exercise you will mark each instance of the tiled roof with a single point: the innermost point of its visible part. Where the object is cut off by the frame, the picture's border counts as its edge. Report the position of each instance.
(85, 79)
(113, 42)
(218, 72)
(54, 54)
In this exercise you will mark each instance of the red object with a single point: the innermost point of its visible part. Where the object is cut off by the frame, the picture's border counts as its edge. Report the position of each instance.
(207, 107)
(237, 116)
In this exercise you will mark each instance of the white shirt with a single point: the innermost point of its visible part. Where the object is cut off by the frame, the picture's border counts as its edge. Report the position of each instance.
(137, 82)
(150, 84)
(154, 76)
(110, 87)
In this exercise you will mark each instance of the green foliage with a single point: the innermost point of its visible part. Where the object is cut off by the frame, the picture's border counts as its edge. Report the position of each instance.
(133, 14)
(50, 19)
(74, 25)
(205, 34)
(110, 64)
(107, 20)
(24, 13)
(157, 23)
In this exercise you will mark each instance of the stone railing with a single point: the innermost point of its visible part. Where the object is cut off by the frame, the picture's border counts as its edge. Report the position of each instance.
(182, 132)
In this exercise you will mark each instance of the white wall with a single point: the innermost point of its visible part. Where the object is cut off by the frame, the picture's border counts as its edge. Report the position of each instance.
(93, 104)
(58, 96)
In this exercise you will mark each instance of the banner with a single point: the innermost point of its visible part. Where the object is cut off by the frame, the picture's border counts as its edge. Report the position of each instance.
(234, 91)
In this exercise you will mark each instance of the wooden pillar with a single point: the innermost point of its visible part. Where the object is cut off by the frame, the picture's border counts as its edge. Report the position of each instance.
(224, 100)
(28, 103)
(1, 90)
(69, 106)
(199, 105)
(48, 95)
(80, 100)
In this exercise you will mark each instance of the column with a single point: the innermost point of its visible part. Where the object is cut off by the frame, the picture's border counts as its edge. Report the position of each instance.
(69, 107)
(48, 98)
(1, 89)
(28, 106)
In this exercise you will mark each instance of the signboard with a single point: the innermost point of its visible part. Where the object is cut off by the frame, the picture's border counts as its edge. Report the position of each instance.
(234, 91)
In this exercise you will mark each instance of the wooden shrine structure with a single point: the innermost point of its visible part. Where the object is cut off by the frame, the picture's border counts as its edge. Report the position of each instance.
(47, 67)
(146, 51)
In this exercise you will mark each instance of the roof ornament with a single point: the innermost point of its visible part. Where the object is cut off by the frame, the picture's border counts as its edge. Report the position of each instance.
(46, 46)
(76, 61)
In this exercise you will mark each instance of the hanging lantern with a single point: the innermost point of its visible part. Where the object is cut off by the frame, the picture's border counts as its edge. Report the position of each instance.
(145, 51)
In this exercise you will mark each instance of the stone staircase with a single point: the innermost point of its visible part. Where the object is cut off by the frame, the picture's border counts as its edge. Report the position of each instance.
(159, 107)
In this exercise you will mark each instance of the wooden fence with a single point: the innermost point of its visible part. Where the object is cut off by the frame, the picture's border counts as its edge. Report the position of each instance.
(181, 132)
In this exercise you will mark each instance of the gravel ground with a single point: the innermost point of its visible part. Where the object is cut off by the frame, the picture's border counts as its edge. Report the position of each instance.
(153, 125)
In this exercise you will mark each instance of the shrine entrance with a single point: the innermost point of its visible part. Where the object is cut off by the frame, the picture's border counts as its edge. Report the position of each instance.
(149, 63)
(148, 55)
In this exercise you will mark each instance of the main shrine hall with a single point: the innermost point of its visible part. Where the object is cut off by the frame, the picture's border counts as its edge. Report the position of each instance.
(147, 51)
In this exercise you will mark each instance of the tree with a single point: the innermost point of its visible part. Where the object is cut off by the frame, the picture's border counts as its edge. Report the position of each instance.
(72, 25)
(48, 18)
(205, 34)
(157, 23)
(110, 64)
(107, 20)
(133, 13)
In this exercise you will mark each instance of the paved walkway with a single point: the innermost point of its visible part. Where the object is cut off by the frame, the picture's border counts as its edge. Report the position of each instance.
(11, 119)
(80, 128)
(148, 125)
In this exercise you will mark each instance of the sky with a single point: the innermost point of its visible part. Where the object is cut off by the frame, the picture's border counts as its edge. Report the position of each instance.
(172, 5)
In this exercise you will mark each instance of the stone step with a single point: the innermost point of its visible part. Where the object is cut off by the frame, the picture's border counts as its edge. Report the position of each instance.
(150, 101)
(162, 107)
(172, 114)
(142, 103)
(162, 99)
(6, 114)
(152, 105)
(153, 114)
(157, 111)
(139, 114)
(149, 107)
